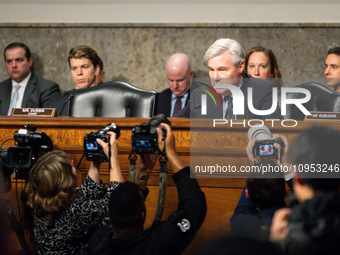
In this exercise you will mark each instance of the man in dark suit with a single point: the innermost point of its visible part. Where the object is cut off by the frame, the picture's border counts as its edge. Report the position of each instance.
(226, 66)
(179, 73)
(24, 89)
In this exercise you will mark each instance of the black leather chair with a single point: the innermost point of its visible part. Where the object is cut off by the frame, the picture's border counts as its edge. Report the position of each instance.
(113, 99)
(322, 99)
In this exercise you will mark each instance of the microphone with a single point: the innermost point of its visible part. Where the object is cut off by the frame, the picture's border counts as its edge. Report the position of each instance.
(189, 110)
(67, 101)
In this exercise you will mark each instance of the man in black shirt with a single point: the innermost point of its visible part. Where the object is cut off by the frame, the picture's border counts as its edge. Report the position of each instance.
(127, 212)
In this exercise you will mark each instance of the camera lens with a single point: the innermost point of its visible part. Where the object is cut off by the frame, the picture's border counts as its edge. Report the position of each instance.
(110, 127)
(158, 119)
(21, 158)
(260, 132)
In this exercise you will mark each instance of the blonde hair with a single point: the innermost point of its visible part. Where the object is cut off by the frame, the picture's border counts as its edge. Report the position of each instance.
(51, 185)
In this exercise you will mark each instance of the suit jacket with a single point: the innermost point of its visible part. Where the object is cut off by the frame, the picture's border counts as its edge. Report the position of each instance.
(248, 221)
(39, 93)
(262, 100)
(62, 103)
(164, 101)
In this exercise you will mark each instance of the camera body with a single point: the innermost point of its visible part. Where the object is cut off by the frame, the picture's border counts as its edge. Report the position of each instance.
(264, 144)
(144, 137)
(266, 147)
(31, 145)
(93, 151)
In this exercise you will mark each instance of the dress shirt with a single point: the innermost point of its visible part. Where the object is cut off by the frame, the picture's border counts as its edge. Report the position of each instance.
(225, 103)
(21, 91)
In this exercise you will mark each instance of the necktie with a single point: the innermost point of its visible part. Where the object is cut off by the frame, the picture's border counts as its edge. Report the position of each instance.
(229, 111)
(178, 107)
(14, 99)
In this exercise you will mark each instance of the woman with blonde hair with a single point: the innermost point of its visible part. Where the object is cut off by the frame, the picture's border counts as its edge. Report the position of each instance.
(65, 216)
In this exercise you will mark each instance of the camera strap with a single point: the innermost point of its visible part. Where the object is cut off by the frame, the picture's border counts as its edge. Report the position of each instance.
(163, 181)
(133, 167)
(109, 144)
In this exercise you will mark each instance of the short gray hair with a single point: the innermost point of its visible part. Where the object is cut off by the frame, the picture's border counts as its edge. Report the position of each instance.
(235, 49)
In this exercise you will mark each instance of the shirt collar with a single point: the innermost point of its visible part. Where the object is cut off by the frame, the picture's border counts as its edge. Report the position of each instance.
(23, 83)
(173, 96)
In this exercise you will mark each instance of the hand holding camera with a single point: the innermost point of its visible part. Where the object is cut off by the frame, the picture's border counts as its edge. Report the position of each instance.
(282, 150)
(263, 144)
(93, 150)
(98, 150)
(169, 142)
(145, 136)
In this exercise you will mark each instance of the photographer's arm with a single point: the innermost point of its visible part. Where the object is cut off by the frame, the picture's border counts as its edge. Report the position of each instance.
(184, 223)
(283, 159)
(148, 161)
(249, 149)
(175, 161)
(94, 172)
(115, 173)
(283, 152)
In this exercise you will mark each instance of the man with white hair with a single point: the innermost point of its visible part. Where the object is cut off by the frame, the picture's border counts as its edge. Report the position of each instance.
(225, 59)
(178, 73)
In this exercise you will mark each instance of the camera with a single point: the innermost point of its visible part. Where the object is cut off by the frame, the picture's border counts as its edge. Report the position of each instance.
(93, 151)
(264, 144)
(31, 145)
(144, 137)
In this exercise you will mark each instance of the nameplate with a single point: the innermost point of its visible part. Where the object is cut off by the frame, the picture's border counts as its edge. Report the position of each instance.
(32, 112)
(323, 116)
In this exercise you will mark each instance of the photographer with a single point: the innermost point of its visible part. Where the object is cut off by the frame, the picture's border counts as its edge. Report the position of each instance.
(263, 194)
(66, 216)
(127, 212)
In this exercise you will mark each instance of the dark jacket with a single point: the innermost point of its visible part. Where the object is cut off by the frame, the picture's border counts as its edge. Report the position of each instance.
(38, 93)
(314, 227)
(168, 237)
(262, 100)
(164, 100)
(247, 221)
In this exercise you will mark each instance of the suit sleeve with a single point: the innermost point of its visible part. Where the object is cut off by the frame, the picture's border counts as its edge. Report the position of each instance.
(49, 93)
(267, 102)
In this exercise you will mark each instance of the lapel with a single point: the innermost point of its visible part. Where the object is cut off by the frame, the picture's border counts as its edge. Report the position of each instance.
(6, 98)
(188, 98)
(193, 86)
(244, 89)
(31, 85)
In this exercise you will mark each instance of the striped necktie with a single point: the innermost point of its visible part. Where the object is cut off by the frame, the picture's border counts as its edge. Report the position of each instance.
(178, 107)
(229, 103)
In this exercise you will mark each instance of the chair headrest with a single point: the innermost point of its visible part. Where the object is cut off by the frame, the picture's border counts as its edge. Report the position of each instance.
(113, 99)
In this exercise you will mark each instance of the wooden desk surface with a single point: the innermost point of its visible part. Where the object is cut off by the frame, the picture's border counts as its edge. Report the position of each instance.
(222, 193)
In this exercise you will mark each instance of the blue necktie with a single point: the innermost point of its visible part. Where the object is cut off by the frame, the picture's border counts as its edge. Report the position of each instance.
(229, 102)
(178, 107)
(14, 99)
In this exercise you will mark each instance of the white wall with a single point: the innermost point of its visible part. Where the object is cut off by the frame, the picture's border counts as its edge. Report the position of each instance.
(166, 11)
